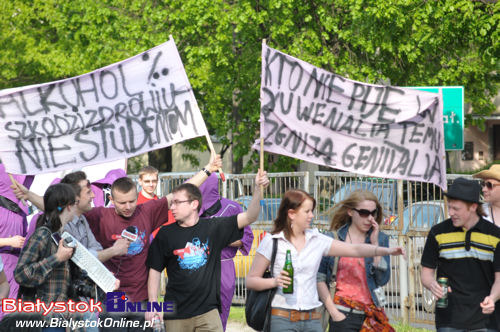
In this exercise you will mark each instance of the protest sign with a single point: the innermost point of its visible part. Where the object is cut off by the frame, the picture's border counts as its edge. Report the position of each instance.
(137, 105)
(320, 117)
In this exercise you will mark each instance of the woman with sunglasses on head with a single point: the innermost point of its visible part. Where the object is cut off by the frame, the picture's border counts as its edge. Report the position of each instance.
(298, 311)
(43, 264)
(355, 305)
(491, 192)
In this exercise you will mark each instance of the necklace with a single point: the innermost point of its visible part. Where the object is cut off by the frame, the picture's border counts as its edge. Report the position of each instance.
(360, 260)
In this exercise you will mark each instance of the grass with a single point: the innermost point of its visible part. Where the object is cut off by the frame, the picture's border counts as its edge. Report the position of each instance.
(237, 314)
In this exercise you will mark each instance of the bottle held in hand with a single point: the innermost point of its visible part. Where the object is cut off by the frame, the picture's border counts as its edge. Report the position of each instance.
(288, 268)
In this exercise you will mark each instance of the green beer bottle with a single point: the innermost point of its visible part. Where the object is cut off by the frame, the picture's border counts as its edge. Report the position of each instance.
(288, 268)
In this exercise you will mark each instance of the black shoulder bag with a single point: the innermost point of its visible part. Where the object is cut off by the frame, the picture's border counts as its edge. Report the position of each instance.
(258, 303)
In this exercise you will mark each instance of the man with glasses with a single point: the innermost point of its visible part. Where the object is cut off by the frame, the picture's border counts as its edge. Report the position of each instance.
(491, 192)
(465, 249)
(190, 249)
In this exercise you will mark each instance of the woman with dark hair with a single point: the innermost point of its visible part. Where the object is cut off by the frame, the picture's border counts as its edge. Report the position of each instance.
(356, 305)
(292, 229)
(43, 265)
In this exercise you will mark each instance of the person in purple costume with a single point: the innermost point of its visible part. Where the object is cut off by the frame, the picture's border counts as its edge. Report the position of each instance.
(213, 205)
(102, 188)
(13, 226)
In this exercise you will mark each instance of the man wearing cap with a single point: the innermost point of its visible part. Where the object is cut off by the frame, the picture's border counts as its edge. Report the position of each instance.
(464, 249)
(491, 192)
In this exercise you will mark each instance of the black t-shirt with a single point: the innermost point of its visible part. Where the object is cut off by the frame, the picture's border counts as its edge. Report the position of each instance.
(192, 258)
(469, 259)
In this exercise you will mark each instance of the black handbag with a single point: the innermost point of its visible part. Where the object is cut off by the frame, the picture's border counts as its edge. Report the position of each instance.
(258, 303)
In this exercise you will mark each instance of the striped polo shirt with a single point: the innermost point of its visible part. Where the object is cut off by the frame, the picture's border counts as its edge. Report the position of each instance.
(469, 259)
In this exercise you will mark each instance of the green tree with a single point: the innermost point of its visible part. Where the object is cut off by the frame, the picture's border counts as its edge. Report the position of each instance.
(404, 42)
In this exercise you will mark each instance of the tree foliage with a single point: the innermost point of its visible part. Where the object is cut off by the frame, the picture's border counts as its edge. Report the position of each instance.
(404, 42)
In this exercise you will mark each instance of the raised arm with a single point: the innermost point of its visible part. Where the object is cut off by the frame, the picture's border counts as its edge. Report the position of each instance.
(200, 177)
(22, 192)
(340, 248)
(252, 213)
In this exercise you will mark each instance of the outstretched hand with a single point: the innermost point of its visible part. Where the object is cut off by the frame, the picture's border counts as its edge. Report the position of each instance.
(396, 251)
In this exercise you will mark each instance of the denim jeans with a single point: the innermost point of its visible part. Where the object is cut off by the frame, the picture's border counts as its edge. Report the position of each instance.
(279, 324)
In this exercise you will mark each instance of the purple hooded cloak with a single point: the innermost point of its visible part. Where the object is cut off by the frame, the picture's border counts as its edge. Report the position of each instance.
(11, 224)
(102, 188)
(213, 205)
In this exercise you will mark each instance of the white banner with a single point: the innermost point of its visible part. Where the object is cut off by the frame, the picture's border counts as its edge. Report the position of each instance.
(137, 105)
(317, 116)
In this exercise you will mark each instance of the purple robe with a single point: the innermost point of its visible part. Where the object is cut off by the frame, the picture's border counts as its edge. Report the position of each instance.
(210, 198)
(12, 224)
(102, 188)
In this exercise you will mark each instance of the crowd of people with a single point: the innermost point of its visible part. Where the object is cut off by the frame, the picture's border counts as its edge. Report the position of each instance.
(193, 234)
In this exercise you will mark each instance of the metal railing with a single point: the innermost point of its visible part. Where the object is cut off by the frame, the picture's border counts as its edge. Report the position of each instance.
(410, 209)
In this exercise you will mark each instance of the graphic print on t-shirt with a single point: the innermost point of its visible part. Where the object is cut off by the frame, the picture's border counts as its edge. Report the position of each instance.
(135, 247)
(193, 255)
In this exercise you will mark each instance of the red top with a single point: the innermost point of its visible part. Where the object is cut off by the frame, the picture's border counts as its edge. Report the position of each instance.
(351, 280)
(143, 199)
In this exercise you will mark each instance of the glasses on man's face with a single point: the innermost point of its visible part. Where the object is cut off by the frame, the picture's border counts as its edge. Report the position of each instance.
(489, 184)
(177, 202)
(364, 213)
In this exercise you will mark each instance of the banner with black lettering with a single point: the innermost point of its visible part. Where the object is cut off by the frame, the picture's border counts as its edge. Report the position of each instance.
(137, 105)
(320, 117)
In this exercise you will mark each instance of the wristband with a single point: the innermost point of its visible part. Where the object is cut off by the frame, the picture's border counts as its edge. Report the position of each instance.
(207, 172)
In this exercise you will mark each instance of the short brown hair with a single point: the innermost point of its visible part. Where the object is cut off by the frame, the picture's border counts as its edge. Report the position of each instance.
(147, 170)
(192, 191)
(123, 185)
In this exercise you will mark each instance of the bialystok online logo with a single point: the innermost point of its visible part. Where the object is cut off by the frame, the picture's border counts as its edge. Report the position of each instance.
(118, 302)
(115, 302)
(38, 306)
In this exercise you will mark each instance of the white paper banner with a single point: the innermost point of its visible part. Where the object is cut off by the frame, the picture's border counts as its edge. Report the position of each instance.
(317, 116)
(140, 104)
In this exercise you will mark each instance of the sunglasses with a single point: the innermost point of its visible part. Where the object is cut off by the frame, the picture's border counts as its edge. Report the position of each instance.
(489, 184)
(364, 213)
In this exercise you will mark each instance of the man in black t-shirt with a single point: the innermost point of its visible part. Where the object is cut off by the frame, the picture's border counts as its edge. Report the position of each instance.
(465, 249)
(190, 250)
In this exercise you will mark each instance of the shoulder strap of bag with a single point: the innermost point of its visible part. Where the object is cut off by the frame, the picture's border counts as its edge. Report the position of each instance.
(273, 255)
(336, 259)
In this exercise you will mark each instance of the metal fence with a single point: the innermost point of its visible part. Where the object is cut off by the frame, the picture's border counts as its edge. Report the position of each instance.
(410, 209)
